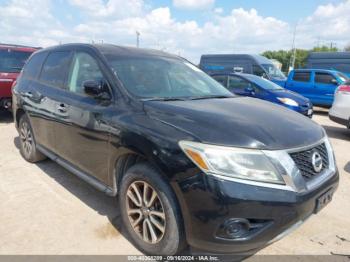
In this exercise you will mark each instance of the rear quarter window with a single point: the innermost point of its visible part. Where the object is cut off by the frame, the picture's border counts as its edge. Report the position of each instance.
(55, 69)
(301, 76)
(33, 66)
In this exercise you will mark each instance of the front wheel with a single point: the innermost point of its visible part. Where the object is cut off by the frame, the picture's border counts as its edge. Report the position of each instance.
(150, 212)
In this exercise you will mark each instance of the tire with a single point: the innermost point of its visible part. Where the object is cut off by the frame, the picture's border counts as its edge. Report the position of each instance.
(169, 242)
(27, 146)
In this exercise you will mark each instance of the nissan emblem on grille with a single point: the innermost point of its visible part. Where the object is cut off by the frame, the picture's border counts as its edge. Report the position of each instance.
(317, 162)
(309, 163)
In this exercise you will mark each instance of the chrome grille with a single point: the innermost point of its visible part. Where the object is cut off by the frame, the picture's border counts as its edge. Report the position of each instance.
(303, 160)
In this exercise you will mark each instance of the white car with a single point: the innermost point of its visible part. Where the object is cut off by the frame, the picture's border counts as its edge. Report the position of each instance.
(340, 111)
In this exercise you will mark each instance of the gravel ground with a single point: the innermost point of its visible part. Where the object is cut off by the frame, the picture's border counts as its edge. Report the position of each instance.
(47, 210)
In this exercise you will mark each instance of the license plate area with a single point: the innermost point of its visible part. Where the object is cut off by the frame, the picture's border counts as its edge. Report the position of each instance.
(310, 112)
(324, 200)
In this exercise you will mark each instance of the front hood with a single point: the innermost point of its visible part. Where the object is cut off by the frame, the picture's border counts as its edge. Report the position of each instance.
(284, 93)
(241, 122)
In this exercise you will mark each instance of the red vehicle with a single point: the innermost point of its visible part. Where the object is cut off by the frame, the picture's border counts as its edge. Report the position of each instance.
(12, 59)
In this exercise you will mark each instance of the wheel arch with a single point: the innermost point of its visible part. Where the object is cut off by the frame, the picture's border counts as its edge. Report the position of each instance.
(19, 113)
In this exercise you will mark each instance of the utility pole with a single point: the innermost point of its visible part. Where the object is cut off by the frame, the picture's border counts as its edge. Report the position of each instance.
(138, 39)
(333, 44)
(292, 59)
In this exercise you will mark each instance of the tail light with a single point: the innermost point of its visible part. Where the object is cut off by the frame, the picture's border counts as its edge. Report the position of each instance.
(344, 88)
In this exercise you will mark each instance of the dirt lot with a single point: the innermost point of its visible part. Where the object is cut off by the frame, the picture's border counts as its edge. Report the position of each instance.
(44, 209)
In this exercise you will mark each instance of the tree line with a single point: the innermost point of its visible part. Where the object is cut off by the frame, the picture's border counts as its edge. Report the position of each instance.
(284, 56)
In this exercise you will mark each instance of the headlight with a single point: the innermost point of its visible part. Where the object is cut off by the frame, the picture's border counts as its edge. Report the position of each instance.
(288, 101)
(232, 162)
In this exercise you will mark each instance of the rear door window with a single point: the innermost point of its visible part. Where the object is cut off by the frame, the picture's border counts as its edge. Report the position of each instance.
(324, 78)
(55, 68)
(301, 76)
(221, 79)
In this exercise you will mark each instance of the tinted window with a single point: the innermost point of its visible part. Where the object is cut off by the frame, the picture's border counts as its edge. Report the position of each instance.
(33, 66)
(301, 76)
(258, 71)
(84, 67)
(221, 79)
(324, 78)
(12, 61)
(238, 83)
(54, 71)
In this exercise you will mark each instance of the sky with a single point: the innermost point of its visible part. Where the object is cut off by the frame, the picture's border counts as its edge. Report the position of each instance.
(185, 27)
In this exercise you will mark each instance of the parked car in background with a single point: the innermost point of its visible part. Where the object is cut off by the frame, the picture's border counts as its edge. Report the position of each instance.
(258, 87)
(340, 111)
(242, 63)
(12, 59)
(316, 84)
(191, 163)
(339, 61)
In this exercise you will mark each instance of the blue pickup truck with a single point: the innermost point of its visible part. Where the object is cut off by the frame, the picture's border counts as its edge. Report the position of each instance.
(316, 84)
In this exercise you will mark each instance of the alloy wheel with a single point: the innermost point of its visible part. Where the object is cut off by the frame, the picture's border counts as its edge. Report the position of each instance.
(145, 212)
(26, 138)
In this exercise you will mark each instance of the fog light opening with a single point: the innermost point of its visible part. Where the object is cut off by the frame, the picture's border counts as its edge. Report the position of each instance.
(236, 228)
(240, 229)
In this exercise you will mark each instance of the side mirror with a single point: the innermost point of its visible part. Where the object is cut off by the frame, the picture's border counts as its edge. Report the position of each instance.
(249, 90)
(96, 89)
(334, 82)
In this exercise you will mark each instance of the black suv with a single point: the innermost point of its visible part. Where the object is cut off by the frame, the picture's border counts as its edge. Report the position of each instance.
(190, 163)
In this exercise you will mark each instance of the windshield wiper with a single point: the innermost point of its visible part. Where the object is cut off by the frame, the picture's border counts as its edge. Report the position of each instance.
(209, 97)
(163, 99)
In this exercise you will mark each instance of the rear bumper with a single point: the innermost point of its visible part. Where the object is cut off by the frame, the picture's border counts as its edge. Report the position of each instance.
(207, 204)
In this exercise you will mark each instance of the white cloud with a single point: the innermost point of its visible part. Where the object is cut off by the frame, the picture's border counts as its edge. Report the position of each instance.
(218, 10)
(242, 31)
(329, 23)
(193, 4)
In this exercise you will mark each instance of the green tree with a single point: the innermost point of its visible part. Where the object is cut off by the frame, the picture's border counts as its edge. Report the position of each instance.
(324, 48)
(282, 56)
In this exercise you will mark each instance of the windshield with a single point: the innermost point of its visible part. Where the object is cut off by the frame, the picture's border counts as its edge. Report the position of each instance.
(264, 83)
(273, 71)
(12, 61)
(163, 77)
(343, 77)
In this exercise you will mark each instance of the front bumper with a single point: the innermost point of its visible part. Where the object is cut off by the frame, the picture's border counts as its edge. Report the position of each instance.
(304, 110)
(208, 202)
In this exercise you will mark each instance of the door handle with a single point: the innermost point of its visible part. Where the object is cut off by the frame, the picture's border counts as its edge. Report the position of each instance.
(62, 108)
(28, 94)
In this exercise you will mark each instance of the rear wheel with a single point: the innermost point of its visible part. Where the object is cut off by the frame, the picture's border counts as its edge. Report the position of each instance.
(150, 212)
(28, 147)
